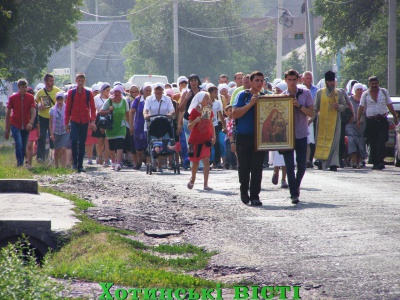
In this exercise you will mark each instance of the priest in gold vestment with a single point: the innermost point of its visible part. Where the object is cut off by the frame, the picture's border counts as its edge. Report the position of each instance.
(329, 102)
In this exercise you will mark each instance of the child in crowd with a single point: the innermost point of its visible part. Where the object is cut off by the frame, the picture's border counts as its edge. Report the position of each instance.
(231, 160)
(202, 136)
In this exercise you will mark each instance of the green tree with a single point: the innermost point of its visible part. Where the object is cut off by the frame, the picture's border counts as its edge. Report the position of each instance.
(362, 29)
(294, 62)
(41, 28)
(107, 8)
(212, 40)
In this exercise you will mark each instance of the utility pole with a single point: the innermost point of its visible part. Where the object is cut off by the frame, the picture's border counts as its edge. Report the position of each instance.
(311, 35)
(176, 44)
(73, 63)
(392, 48)
(307, 38)
(97, 10)
(279, 43)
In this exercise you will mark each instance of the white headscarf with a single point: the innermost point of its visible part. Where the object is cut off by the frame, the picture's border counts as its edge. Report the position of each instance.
(222, 86)
(348, 86)
(282, 86)
(197, 99)
(356, 87)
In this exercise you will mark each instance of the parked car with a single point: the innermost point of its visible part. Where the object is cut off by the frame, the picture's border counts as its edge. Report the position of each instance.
(139, 80)
(393, 144)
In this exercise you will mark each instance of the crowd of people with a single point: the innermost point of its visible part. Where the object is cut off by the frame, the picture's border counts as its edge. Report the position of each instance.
(213, 126)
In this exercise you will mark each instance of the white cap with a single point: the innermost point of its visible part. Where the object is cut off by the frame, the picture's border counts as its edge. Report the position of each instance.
(96, 87)
(40, 86)
(282, 86)
(181, 79)
(60, 94)
(158, 84)
(276, 81)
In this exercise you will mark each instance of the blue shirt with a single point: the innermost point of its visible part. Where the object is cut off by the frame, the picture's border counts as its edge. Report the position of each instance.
(313, 89)
(245, 124)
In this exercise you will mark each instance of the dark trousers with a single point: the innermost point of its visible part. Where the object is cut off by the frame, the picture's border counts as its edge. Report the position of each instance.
(342, 145)
(250, 165)
(217, 146)
(301, 159)
(184, 150)
(376, 132)
(230, 156)
(312, 152)
(78, 139)
(20, 139)
(41, 143)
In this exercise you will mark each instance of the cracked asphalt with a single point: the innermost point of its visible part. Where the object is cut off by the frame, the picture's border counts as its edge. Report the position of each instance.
(342, 241)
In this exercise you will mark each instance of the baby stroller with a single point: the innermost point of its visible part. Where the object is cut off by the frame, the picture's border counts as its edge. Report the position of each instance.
(160, 141)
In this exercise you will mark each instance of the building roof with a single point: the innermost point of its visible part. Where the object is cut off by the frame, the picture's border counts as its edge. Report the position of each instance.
(98, 51)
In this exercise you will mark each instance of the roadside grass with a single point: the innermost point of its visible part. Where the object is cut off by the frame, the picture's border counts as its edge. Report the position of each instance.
(9, 168)
(108, 257)
(99, 253)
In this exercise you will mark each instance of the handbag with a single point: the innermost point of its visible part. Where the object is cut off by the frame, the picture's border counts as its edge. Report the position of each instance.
(346, 115)
(105, 122)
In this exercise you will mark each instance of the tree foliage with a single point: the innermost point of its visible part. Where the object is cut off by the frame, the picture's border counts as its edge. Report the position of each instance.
(107, 8)
(7, 20)
(362, 28)
(212, 40)
(40, 28)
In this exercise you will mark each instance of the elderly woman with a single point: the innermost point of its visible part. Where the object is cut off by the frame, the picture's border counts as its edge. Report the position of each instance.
(118, 106)
(355, 135)
(202, 136)
(158, 104)
(136, 121)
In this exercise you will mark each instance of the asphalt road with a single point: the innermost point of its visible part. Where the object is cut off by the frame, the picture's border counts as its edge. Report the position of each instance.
(342, 241)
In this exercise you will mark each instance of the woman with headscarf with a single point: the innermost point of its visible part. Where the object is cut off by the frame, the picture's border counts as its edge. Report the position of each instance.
(355, 135)
(102, 143)
(223, 90)
(192, 89)
(136, 121)
(202, 136)
(119, 108)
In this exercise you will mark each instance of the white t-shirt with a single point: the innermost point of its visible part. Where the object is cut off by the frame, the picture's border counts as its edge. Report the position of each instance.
(99, 102)
(217, 106)
(157, 108)
(376, 108)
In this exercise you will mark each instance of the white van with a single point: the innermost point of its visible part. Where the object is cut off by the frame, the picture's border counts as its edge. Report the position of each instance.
(139, 80)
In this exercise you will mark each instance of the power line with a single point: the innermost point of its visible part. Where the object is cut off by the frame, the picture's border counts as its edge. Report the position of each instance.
(339, 2)
(94, 57)
(100, 41)
(213, 37)
(220, 29)
(130, 14)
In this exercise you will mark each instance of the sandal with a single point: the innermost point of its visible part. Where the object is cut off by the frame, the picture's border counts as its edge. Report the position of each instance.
(207, 188)
(190, 184)
(275, 178)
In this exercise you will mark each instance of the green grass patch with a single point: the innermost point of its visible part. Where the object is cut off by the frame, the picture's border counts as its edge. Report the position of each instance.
(80, 203)
(8, 165)
(9, 168)
(108, 257)
(22, 278)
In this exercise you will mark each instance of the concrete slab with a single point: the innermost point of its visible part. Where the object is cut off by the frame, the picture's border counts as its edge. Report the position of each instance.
(35, 207)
